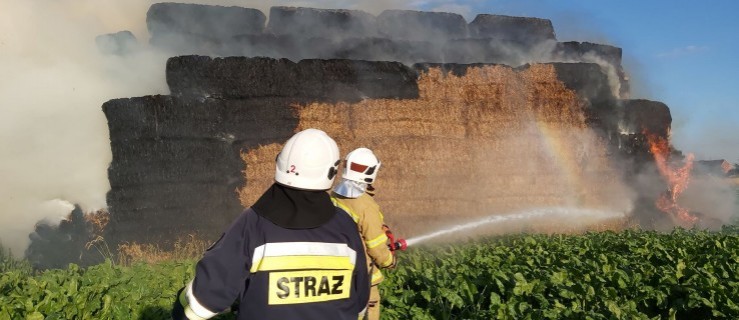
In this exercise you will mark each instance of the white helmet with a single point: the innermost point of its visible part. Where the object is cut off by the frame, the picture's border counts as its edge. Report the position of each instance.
(309, 160)
(361, 166)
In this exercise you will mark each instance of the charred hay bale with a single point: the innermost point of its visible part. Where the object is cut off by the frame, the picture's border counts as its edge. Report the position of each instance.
(246, 122)
(592, 86)
(326, 23)
(521, 29)
(579, 51)
(588, 80)
(641, 115)
(353, 80)
(173, 196)
(266, 45)
(241, 77)
(383, 49)
(605, 55)
(486, 50)
(119, 43)
(164, 226)
(149, 161)
(214, 22)
(231, 77)
(286, 46)
(421, 25)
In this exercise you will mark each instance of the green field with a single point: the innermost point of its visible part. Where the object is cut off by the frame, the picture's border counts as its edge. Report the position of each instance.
(609, 275)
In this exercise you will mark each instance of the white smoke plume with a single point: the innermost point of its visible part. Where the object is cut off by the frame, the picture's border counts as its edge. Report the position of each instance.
(53, 133)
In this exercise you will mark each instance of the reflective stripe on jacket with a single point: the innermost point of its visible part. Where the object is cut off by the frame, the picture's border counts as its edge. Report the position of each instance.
(279, 273)
(366, 213)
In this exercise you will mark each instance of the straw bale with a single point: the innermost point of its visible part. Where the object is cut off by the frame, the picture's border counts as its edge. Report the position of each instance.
(259, 173)
(404, 128)
(216, 22)
(389, 109)
(391, 149)
(522, 29)
(494, 140)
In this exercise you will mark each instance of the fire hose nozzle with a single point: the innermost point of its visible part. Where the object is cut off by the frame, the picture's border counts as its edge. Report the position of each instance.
(394, 245)
(398, 245)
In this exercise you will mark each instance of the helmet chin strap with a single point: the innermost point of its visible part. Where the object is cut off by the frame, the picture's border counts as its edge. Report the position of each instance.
(350, 189)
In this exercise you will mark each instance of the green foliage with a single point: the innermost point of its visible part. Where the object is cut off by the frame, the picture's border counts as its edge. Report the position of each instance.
(627, 275)
(8, 263)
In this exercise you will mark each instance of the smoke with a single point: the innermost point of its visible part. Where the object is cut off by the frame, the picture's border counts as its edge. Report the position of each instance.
(639, 85)
(712, 137)
(53, 133)
(712, 199)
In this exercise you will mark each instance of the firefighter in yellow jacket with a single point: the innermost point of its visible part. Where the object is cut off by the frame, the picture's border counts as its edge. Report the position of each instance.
(354, 193)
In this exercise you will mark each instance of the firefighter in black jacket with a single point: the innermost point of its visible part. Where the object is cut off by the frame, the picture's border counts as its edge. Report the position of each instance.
(292, 255)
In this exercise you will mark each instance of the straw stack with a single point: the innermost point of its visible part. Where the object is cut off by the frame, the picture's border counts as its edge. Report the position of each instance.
(494, 140)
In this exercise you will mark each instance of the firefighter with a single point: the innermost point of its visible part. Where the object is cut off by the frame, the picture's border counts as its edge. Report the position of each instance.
(292, 255)
(354, 193)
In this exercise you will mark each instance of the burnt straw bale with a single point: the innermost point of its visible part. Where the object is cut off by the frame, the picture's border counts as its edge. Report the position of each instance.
(164, 226)
(421, 25)
(327, 23)
(197, 161)
(241, 77)
(521, 29)
(175, 159)
(286, 46)
(641, 115)
(486, 50)
(601, 54)
(593, 86)
(383, 49)
(213, 22)
(161, 117)
(589, 81)
(577, 51)
(170, 196)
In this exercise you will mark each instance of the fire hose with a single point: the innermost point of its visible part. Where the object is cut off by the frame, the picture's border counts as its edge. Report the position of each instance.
(394, 245)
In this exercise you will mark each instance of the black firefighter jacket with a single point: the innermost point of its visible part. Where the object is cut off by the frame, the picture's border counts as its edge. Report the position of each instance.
(280, 273)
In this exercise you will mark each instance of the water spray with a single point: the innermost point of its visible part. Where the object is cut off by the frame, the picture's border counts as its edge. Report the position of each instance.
(563, 212)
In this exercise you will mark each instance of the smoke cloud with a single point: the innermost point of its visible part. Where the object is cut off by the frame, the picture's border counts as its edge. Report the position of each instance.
(53, 133)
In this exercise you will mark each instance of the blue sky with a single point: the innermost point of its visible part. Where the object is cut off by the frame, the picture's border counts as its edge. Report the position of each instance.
(682, 53)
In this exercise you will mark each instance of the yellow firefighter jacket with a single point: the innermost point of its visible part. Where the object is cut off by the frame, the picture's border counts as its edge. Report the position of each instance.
(366, 213)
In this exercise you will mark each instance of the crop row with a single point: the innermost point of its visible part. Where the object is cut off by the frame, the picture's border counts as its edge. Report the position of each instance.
(608, 275)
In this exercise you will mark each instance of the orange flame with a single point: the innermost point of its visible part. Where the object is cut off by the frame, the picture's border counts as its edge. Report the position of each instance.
(677, 180)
